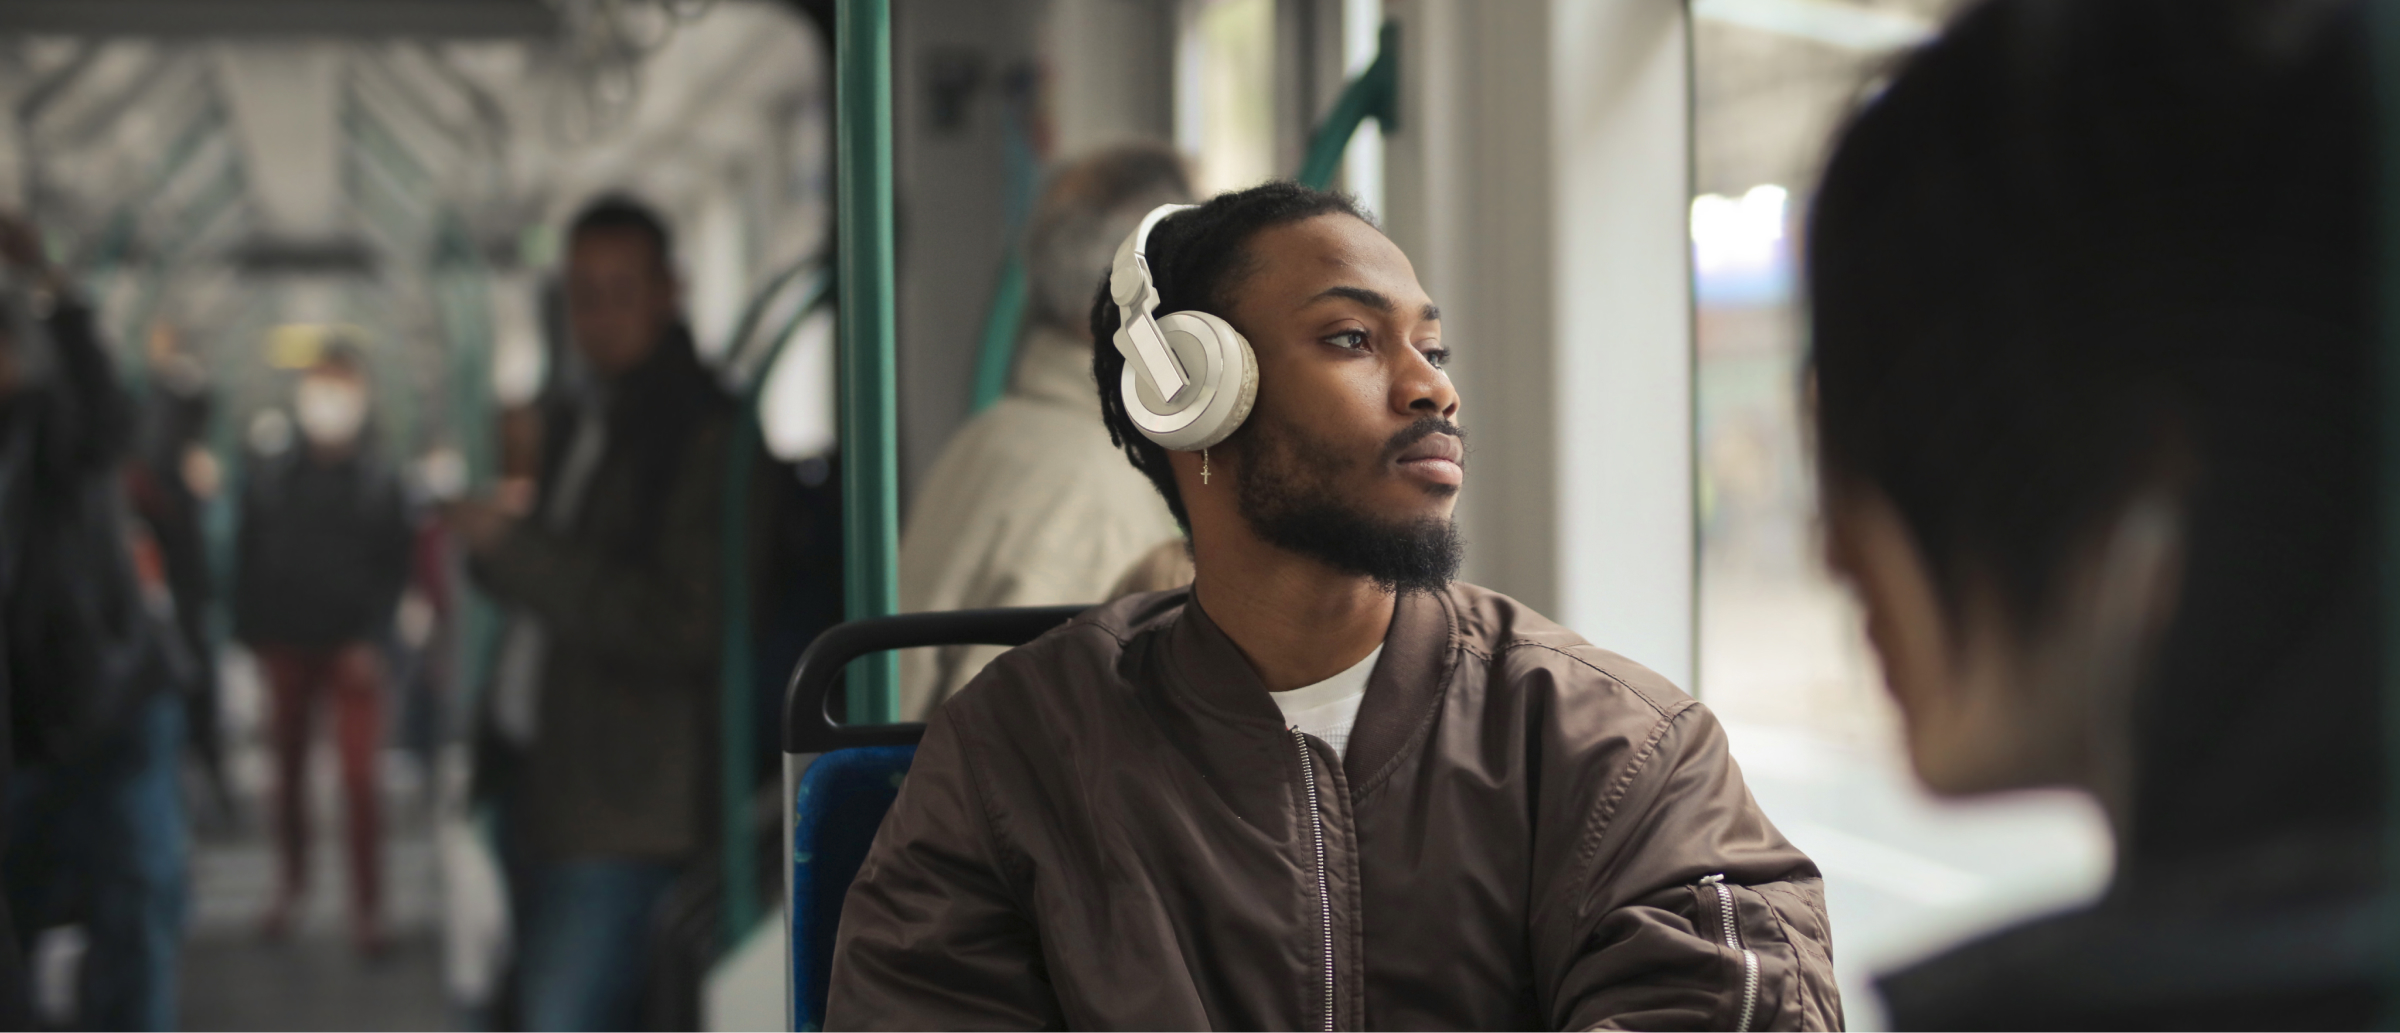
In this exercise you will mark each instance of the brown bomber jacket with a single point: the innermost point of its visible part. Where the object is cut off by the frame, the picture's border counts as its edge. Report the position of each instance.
(1111, 827)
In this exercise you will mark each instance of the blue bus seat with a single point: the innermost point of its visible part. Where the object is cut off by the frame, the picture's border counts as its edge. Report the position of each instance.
(849, 786)
(840, 803)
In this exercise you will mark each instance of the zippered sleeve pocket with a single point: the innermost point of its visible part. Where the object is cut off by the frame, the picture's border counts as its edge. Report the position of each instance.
(1778, 966)
(1716, 901)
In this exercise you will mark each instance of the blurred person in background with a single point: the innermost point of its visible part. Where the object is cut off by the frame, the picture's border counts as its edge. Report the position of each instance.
(95, 668)
(322, 555)
(1030, 504)
(172, 479)
(603, 703)
(2092, 292)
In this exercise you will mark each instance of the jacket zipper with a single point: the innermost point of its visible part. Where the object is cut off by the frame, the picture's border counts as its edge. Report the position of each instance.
(1733, 941)
(1316, 817)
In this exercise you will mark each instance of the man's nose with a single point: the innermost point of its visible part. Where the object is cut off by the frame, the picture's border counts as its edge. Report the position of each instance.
(1423, 389)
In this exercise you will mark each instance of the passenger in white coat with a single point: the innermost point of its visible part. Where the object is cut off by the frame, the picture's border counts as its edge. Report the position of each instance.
(1030, 505)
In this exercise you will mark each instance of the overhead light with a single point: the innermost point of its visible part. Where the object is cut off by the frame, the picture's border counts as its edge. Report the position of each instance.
(300, 345)
(1831, 22)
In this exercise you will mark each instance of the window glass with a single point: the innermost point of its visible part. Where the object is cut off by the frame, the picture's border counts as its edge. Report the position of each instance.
(1225, 92)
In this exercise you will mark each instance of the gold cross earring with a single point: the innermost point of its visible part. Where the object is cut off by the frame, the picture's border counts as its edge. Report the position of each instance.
(1204, 466)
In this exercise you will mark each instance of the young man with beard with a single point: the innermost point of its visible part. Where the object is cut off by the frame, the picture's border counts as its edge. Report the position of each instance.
(1325, 787)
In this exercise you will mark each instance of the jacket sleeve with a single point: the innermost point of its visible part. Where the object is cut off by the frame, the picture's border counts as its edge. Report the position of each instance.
(931, 936)
(1637, 932)
(657, 614)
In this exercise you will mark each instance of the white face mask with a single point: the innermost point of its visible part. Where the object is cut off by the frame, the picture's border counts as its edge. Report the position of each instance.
(330, 411)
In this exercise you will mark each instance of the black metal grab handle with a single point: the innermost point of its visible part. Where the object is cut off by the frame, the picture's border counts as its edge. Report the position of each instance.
(807, 728)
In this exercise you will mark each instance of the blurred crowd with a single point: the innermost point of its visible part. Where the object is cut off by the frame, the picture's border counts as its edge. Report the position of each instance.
(590, 728)
(594, 740)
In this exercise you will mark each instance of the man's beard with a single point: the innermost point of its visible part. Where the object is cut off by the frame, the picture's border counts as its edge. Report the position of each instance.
(1288, 488)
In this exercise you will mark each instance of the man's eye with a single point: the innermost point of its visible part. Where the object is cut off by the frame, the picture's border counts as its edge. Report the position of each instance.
(1349, 339)
(1439, 357)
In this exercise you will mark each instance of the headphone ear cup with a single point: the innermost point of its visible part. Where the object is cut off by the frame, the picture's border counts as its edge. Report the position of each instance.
(1224, 385)
(1244, 385)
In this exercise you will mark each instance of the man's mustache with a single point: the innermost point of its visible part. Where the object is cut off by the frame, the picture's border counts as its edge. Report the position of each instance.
(1425, 427)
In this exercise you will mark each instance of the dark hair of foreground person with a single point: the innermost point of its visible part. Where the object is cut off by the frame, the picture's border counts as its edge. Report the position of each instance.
(2087, 276)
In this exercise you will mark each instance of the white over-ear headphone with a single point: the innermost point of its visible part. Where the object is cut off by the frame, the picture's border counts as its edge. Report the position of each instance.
(1189, 376)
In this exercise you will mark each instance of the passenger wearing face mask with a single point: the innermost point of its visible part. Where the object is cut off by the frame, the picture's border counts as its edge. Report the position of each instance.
(324, 553)
(1030, 505)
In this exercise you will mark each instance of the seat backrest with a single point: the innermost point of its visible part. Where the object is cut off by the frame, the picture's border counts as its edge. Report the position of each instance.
(840, 803)
(842, 797)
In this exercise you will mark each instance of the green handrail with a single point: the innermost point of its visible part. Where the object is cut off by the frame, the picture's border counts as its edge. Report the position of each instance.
(997, 353)
(1374, 94)
(862, 129)
(1004, 320)
(736, 674)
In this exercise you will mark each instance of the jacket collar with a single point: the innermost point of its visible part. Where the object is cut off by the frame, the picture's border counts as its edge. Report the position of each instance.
(1419, 653)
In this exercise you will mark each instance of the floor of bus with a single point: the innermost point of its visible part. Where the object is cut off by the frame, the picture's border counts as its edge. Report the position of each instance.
(235, 979)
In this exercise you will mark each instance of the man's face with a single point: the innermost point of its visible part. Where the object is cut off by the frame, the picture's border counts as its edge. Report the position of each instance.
(1352, 454)
(620, 298)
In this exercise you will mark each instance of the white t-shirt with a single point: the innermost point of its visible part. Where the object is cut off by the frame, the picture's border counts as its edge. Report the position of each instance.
(1328, 708)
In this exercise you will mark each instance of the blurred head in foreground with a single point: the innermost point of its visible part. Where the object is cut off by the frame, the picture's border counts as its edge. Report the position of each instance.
(2090, 289)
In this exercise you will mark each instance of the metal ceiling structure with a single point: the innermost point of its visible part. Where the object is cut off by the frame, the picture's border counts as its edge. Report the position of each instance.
(421, 19)
(229, 166)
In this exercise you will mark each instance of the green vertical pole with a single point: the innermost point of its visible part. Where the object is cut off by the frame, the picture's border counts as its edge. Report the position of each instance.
(739, 903)
(2384, 25)
(862, 129)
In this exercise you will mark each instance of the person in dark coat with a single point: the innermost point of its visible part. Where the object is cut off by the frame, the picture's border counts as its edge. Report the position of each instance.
(322, 558)
(171, 481)
(605, 688)
(95, 668)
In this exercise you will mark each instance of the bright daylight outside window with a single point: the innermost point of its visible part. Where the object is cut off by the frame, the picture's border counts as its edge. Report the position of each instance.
(1783, 659)
(1224, 93)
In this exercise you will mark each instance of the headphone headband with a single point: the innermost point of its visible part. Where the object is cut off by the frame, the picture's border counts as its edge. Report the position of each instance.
(1138, 337)
(1187, 394)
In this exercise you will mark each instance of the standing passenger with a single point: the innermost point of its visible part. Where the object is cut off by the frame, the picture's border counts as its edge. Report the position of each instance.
(96, 832)
(1030, 505)
(606, 682)
(322, 554)
(172, 480)
(2094, 303)
(1326, 787)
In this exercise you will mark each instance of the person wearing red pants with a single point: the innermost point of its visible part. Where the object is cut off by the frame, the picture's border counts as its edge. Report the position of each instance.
(323, 555)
